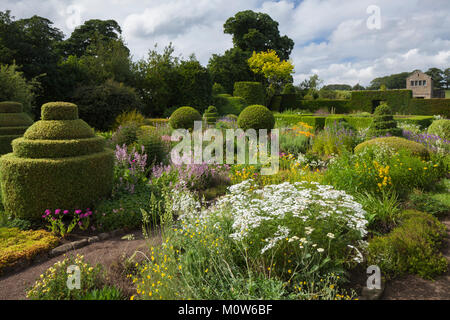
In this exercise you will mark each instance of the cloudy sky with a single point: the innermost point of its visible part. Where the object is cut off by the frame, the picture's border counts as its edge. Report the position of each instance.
(343, 41)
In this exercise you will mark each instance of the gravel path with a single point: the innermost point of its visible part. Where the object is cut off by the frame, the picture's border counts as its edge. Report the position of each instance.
(108, 252)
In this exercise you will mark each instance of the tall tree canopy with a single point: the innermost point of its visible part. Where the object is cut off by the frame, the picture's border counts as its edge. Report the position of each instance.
(91, 31)
(438, 77)
(255, 31)
(393, 81)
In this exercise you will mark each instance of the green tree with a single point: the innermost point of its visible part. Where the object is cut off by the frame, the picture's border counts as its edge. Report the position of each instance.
(447, 78)
(15, 87)
(90, 32)
(157, 80)
(230, 67)
(358, 87)
(437, 75)
(393, 81)
(195, 86)
(276, 71)
(255, 31)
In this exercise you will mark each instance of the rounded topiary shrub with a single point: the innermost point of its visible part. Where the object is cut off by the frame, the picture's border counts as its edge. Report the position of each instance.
(396, 144)
(440, 128)
(256, 117)
(13, 123)
(383, 123)
(211, 115)
(59, 163)
(252, 92)
(184, 118)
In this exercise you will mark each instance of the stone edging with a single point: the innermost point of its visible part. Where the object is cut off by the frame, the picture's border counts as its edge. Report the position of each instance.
(24, 263)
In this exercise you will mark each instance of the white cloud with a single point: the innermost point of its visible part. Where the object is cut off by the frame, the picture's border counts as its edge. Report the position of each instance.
(331, 37)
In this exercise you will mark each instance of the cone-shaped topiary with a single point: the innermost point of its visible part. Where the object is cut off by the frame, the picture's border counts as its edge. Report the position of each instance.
(211, 115)
(256, 117)
(383, 123)
(13, 123)
(184, 117)
(59, 163)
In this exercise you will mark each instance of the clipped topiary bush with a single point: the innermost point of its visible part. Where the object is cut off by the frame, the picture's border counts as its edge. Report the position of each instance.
(256, 117)
(184, 117)
(126, 134)
(395, 143)
(13, 123)
(383, 123)
(59, 163)
(440, 128)
(210, 115)
(227, 104)
(252, 92)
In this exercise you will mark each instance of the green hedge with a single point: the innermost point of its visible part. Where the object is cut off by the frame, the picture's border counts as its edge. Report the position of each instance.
(59, 129)
(430, 107)
(292, 119)
(256, 117)
(35, 149)
(30, 186)
(422, 121)
(13, 123)
(395, 143)
(184, 118)
(227, 104)
(57, 164)
(10, 107)
(252, 92)
(398, 100)
(59, 111)
(275, 103)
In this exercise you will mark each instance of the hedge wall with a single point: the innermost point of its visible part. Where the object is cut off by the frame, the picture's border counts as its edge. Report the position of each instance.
(398, 100)
(252, 92)
(430, 107)
(227, 104)
(13, 123)
(355, 122)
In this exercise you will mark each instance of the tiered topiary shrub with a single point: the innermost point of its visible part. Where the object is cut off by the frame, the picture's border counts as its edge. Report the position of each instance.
(256, 117)
(184, 118)
(59, 163)
(252, 92)
(383, 123)
(210, 115)
(13, 123)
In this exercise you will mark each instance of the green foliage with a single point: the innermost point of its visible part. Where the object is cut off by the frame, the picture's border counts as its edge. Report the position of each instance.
(100, 105)
(59, 111)
(127, 117)
(106, 293)
(292, 119)
(413, 247)
(229, 68)
(217, 88)
(336, 138)
(53, 284)
(227, 104)
(393, 81)
(339, 106)
(382, 211)
(382, 169)
(211, 115)
(293, 143)
(398, 100)
(122, 212)
(184, 118)
(15, 87)
(126, 135)
(154, 147)
(255, 31)
(440, 128)
(396, 144)
(256, 117)
(70, 181)
(16, 244)
(426, 203)
(384, 123)
(13, 124)
(429, 107)
(252, 92)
